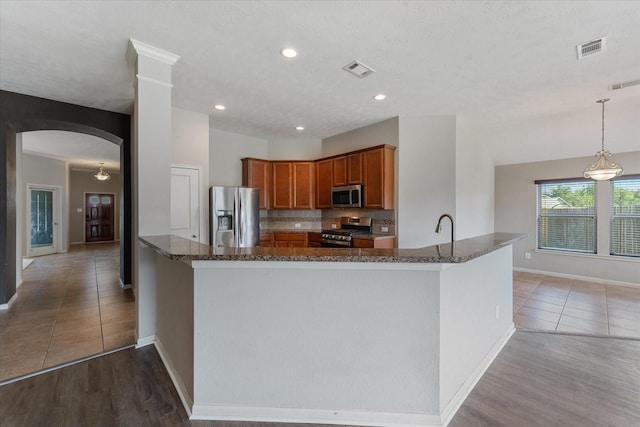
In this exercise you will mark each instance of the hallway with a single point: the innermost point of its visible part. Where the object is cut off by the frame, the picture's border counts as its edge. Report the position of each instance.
(69, 306)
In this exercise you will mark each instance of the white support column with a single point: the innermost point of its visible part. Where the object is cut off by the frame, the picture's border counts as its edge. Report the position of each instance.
(151, 172)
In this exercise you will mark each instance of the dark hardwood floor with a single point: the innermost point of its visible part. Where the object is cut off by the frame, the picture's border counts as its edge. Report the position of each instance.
(537, 380)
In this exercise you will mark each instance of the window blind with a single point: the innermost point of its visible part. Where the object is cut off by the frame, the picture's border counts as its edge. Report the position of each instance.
(567, 215)
(625, 216)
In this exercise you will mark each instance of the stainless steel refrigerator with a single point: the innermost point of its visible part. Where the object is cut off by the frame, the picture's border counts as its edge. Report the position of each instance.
(234, 217)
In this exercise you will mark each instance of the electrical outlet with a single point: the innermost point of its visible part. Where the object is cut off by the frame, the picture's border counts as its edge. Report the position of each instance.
(385, 229)
(497, 312)
(527, 255)
(79, 210)
(334, 225)
(296, 225)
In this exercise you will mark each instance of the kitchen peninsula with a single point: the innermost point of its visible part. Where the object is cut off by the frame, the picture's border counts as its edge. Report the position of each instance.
(321, 335)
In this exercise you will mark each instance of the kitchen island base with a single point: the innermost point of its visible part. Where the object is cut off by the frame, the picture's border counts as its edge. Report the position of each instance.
(358, 343)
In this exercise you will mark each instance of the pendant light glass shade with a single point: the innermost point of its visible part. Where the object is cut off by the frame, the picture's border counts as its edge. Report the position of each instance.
(603, 168)
(102, 175)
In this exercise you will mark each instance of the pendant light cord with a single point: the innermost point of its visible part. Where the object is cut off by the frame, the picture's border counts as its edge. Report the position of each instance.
(602, 101)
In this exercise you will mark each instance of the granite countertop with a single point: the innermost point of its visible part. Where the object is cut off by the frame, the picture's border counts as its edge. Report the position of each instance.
(180, 249)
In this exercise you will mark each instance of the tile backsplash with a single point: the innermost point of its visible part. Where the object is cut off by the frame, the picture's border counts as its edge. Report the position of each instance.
(324, 219)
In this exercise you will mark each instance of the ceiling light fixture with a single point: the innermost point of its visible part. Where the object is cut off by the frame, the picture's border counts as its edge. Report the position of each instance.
(299, 128)
(102, 175)
(603, 168)
(220, 107)
(380, 97)
(289, 52)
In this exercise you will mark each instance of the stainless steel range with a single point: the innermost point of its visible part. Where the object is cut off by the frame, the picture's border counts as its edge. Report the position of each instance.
(349, 226)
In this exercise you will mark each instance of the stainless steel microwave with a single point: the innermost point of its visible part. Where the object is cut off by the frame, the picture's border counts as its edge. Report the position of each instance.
(348, 196)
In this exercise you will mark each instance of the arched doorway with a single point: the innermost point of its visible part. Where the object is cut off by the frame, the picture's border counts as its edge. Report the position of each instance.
(23, 113)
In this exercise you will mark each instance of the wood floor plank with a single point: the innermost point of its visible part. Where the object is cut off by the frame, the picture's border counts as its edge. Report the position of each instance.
(537, 380)
(558, 380)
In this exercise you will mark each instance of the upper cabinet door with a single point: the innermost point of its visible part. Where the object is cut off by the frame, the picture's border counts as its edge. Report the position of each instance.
(256, 173)
(303, 185)
(339, 171)
(354, 169)
(282, 195)
(378, 166)
(324, 181)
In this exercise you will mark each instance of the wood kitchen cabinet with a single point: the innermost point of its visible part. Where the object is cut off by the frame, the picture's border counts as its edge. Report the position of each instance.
(377, 243)
(314, 239)
(256, 173)
(282, 189)
(304, 185)
(324, 181)
(335, 172)
(354, 168)
(290, 240)
(293, 185)
(339, 171)
(378, 166)
(266, 240)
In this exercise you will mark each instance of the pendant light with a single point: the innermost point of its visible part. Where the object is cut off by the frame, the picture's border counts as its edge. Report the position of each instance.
(102, 175)
(603, 168)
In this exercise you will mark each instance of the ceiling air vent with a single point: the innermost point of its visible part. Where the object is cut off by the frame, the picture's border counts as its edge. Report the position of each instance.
(623, 85)
(358, 69)
(591, 48)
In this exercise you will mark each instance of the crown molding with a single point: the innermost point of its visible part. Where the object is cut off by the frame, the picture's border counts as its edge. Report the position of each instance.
(136, 48)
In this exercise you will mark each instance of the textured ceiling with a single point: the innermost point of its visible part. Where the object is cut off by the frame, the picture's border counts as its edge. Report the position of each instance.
(78, 149)
(487, 60)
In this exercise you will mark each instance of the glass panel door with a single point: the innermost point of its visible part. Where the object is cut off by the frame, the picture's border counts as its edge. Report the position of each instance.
(42, 239)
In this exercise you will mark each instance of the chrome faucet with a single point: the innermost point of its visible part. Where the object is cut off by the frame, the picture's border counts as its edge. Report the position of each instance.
(439, 226)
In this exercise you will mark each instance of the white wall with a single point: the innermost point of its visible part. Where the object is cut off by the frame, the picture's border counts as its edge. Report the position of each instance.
(225, 151)
(51, 172)
(385, 132)
(474, 183)
(81, 182)
(562, 135)
(190, 147)
(515, 211)
(426, 178)
(294, 149)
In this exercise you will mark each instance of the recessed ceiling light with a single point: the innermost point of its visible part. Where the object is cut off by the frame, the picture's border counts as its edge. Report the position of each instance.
(379, 97)
(220, 107)
(289, 52)
(299, 128)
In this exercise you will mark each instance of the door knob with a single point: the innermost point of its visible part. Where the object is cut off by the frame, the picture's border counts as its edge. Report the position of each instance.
(194, 236)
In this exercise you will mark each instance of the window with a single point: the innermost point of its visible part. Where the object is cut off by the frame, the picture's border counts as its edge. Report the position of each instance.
(625, 216)
(567, 215)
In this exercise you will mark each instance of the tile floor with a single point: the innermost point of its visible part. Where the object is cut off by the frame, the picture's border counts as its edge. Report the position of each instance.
(69, 306)
(548, 303)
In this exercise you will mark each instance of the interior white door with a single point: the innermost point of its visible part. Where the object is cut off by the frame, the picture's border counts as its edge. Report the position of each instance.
(43, 219)
(185, 202)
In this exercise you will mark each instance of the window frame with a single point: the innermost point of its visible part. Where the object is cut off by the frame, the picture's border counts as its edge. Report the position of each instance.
(593, 249)
(613, 217)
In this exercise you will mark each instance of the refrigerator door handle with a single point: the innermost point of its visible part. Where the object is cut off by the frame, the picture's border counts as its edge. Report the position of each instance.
(238, 219)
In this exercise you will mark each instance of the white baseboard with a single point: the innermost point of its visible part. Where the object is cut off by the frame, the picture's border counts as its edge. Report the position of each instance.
(458, 399)
(186, 399)
(576, 277)
(315, 416)
(8, 305)
(145, 341)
